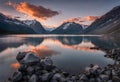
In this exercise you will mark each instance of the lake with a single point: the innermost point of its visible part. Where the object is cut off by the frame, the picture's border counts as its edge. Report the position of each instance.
(70, 53)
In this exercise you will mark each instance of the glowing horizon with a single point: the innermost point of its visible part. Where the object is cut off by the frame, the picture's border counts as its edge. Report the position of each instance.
(55, 12)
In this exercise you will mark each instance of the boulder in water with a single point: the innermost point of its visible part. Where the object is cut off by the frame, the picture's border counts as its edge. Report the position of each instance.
(30, 59)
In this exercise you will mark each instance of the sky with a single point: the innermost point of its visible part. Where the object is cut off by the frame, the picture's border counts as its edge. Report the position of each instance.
(52, 13)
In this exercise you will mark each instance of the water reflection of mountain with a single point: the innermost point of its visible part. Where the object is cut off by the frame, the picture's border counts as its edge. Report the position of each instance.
(14, 42)
(70, 40)
(105, 42)
(102, 42)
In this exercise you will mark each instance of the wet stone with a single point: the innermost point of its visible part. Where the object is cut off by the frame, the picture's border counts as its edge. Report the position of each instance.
(30, 70)
(17, 76)
(35, 69)
(30, 59)
(20, 56)
(33, 78)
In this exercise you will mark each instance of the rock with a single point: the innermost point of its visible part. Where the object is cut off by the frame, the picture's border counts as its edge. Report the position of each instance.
(104, 78)
(65, 74)
(92, 80)
(73, 78)
(110, 81)
(56, 70)
(35, 69)
(47, 64)
(50, 76)
(17, 76)
(47, 77)
(22, 68)
(57, 76)
(30, 59)
(47, 61)
(83, 77)
(33, 78)
(53, 80)
(30, 70)
(44, 71)
(116, 79)
(20, 56)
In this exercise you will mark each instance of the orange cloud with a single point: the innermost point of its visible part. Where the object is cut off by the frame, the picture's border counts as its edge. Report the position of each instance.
(38, 12)
(82, 19)
(76, 20)
(92, 18)
(78, 47)
(42, 51)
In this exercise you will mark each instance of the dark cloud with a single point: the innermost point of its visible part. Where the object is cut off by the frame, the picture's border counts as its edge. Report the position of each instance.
(38, 12)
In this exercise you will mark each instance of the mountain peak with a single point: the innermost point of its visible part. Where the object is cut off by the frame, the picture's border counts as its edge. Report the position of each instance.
(107, 23)
(117, 7)
(68, 28)
(30, 22)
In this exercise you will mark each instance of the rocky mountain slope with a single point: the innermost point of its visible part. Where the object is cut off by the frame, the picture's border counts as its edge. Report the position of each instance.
(108, 23)
(68, 28)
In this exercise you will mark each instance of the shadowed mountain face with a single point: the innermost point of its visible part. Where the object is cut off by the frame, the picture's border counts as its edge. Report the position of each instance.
(108, 23)
(14, 26)
(68, 28)
(36, 26)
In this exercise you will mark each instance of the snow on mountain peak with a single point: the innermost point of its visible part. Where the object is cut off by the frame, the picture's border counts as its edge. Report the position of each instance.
(67, 25)
(29, 22)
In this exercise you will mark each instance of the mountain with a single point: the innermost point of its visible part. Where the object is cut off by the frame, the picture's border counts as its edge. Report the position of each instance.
(36, 26)
(49, 29)
(107, 24)
(68, 28)
(84, 26)
(13, 26)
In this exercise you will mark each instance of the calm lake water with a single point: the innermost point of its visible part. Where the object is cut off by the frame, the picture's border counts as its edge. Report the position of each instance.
(70, 53)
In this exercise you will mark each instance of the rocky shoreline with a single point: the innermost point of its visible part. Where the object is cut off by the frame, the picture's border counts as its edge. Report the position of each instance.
(35, 69)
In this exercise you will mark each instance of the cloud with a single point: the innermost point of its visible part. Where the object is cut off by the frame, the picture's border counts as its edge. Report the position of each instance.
(92, 18)
(38, 12)
(43, 51)
(77, 20)
(82, 19)
(7, 14)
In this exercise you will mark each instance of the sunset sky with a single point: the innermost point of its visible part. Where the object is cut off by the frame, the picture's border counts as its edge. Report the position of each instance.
(52, 13)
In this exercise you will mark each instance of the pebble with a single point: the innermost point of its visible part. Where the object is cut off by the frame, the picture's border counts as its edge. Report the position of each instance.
(34, 69)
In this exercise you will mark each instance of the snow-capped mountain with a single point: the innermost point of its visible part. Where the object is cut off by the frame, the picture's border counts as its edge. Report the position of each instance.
(15, 26)
(29, 22)
(68, 28)
(35, 25)
(84, 26)
(108, 23)
(49, 29)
